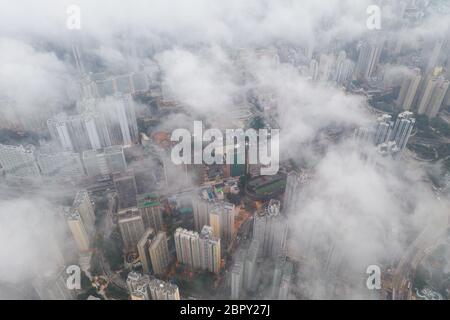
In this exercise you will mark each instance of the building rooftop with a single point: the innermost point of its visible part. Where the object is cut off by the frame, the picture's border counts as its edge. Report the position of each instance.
(147, 200)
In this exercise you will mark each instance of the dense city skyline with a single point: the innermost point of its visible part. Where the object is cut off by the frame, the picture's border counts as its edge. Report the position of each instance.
(351, 96)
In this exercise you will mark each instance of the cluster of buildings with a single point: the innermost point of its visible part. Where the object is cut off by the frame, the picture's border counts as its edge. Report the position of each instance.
(424, 93)
(102, 123)
(269, 243)
(80, 218)
(90, 143)
(30, 162)
(198, 251)
(214, 222)
(387, 135)
(144, 287)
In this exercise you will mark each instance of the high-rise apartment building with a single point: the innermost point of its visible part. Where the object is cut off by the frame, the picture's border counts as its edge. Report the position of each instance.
(221, 220)
(292, 182)
(150, 208)
(70, 131)
(209, 250)
(198, 251)
(131, 228)
(135, 280)
(83, 205)
(435, 55)
(188, 248)
(369, 55)
(78, 229)
(385, 132)
(251, 264)
(159, 253)
(237, 279)
(270, 229)
(433, 94)
(343, 69)
(408, 90)
(383, 129)
(154, 252)
(120, 116)
(142, 247)
(162, 290)
(277, 274)
(286, 280)
(402, 129)
(201, 209)
(97, 130)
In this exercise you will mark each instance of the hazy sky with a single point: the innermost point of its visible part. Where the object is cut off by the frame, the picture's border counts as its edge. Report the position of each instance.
(359, 208)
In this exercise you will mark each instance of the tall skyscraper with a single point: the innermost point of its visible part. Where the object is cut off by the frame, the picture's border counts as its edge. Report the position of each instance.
(120, 116)
(159, 253)
(292, 182)
(131, 228)
(162, 290)
(154, 252)
(326, 63)
(187, 248)
(314, 69)
(201, 212)
(383, 129)
(125, 184)
(221, 219)
(369, 55)
(126, 116)
(237, 279)
(433, 96)
(78, 229)
(142, 247)
(70, 131)
(250, 265)
(150, 209)
(434, 58)
(209, 250)
(135, 280)
(286, 280)
(343, 70)
(83, 205)
(402, 129)
(408, 89)
(198, 251)
(270, 229)
(19, 161)
(277, 274)
(96, 129)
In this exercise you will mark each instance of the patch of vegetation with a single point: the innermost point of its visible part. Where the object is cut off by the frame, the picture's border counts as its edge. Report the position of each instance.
(423, 151)
(440, 126)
